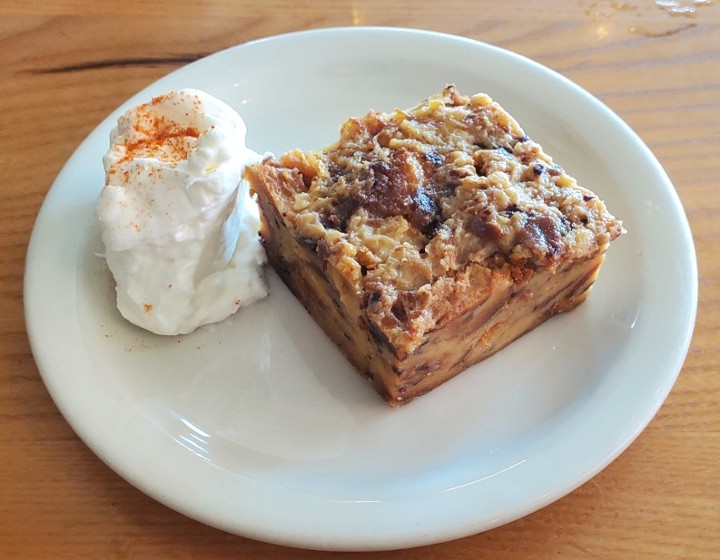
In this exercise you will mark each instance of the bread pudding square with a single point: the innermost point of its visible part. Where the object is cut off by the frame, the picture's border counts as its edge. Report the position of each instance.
(427, 239)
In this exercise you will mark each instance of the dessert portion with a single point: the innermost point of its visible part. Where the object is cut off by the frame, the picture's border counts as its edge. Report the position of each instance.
(425, 240)
(178, 224)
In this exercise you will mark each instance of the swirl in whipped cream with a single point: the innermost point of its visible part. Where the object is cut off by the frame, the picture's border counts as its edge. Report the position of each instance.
(178, 224)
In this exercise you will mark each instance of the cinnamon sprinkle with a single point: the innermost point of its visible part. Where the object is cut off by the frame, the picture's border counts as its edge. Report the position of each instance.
(161, 138)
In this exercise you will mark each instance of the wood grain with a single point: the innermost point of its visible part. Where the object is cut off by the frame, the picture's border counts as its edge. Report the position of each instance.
(64, 65)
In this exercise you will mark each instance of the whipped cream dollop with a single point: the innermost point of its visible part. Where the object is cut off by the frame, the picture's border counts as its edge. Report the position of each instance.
(179, 226)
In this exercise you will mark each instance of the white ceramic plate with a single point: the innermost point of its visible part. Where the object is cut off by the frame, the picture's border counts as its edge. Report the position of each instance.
(260, 427)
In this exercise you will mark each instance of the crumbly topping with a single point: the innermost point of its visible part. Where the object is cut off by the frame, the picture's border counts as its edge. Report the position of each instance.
(420, 204)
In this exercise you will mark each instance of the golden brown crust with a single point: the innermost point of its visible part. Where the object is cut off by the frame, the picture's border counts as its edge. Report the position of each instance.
(421, 214)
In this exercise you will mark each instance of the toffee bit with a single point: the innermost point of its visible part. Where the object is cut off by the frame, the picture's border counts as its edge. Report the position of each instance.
(374, 297)
(430, 230)
(510, 210)
(424, 210)
(542, 233)
(483, 228)
(324, 251)
(341, 213)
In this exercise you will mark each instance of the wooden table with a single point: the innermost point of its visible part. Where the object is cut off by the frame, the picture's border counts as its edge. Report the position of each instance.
(64, 65)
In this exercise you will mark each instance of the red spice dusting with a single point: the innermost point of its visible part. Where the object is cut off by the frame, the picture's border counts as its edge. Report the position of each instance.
(159, 137)
(147, 307)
